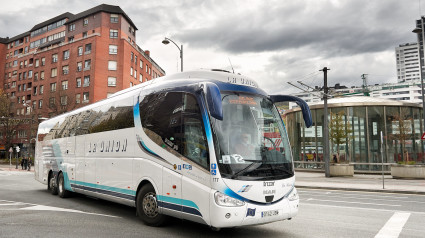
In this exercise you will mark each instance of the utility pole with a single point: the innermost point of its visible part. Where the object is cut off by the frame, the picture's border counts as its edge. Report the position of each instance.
(326, 155)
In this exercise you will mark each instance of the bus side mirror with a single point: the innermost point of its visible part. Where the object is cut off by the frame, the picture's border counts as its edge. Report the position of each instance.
(213, 97)
(303, 105)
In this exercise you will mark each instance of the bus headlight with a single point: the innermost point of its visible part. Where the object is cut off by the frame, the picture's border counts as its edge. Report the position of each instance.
(227, 201)
(293, 195)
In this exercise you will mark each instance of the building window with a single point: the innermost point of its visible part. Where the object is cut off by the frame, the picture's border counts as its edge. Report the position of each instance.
(131, 71)
(112, 81)
(113, 33)
(87, 64)
(112, 65)
(55, 58)
(64, 100)
(52, 102)
(43, 61)
(65, 85)
(86, 81)
(88, 49)
(54, 73)
(80, 51)
(66, 55)
(37, 63)
(40, 103)
(41, 89)
(71, 27)
(65, 69)
(53, 87)
(85, 34)
(78, 82)
(85, 97)
(114, 18)
(146, 68)
(113, 49)
(79, 66)
(35, 76)
(132, 56)
(70, 39)
(77, 98)
(30, 74)
(42, 75)
(85, 21)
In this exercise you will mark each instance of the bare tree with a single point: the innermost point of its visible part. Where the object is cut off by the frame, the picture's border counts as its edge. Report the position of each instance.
(339, 130)
(402, 130)
(9, 124)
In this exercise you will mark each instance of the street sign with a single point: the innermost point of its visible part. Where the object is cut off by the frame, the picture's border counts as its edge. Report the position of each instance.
(423, 136)
(18, 149)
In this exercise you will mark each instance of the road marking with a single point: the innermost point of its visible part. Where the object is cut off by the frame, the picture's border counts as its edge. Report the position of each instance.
(363, 198)
(37, 207)
(357, 195)
(363, 203)
(394, 225)
(356, 191)
(359, 208)
(58, 209)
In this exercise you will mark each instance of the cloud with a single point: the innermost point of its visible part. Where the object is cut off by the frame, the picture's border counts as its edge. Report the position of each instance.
(271, 41)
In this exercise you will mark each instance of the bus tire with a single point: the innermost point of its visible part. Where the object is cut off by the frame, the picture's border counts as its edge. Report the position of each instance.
(63, 193)
(52, 184)
(147, 206)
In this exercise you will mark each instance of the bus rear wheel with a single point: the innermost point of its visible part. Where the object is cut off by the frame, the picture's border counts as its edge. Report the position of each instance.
(63, 193)
(147, 207)
(52, 184)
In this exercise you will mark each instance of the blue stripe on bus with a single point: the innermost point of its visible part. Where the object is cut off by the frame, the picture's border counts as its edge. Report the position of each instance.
(104, 188)
(178, 204)
(183, 202)
(106, 192)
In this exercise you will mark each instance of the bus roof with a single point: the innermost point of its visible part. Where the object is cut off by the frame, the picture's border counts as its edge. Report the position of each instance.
(225, 81)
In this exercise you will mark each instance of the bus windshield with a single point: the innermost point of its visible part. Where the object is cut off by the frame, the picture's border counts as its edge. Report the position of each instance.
(251, 142)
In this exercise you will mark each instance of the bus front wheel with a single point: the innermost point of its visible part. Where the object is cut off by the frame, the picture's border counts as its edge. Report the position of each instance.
(147, 206)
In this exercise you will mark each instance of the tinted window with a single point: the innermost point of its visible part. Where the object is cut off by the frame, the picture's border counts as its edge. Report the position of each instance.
(114, 116)
(173, 120)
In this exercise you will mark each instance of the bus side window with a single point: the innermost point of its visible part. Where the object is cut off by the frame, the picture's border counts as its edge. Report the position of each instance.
(173, 121)
(194, 139)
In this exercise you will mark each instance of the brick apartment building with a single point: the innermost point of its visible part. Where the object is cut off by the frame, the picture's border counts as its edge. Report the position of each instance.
(70, 61)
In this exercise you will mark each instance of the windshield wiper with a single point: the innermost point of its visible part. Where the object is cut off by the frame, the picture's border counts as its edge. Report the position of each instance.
(246, 168)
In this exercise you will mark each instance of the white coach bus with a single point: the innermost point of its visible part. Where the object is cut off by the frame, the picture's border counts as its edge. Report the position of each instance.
(172, 147)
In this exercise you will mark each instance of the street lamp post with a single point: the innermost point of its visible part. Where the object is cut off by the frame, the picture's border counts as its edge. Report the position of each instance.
(166, 41)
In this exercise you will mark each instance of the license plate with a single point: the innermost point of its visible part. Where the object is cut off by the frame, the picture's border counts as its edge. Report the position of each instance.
(270, 213)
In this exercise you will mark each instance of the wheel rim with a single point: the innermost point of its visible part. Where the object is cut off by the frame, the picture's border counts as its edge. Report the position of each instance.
(51, 183)
(60, 185)
(150, 206)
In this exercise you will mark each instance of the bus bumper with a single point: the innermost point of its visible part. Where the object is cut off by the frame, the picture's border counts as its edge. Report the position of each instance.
(252, 214)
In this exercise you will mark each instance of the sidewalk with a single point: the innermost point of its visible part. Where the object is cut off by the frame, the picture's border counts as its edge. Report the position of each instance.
(359, 182)
(7, 167)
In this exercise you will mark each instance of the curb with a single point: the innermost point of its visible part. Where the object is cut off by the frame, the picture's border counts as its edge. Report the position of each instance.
(364, 190)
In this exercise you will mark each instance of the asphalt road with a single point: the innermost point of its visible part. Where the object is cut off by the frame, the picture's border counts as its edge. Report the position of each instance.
(27, 209)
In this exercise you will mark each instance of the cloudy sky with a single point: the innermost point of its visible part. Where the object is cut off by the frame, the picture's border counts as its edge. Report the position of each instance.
(273, 41)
